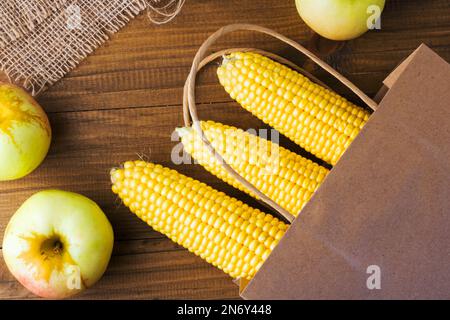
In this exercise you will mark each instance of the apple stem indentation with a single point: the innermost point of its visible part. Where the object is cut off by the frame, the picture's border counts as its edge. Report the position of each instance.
(52, 247)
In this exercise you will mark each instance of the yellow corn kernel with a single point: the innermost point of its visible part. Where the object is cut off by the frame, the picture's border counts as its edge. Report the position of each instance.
(317, 119)
(221, 237)
(272, 169)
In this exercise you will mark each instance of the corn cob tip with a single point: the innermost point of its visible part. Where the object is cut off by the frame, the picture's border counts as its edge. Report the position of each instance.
(117, 174)
(112, 175)
(227, 58)
(183, 131)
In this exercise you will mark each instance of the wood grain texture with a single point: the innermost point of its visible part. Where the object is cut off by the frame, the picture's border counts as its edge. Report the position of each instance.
(123, 102)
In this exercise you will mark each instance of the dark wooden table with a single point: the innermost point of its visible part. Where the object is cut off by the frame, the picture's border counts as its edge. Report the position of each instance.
(123, 102)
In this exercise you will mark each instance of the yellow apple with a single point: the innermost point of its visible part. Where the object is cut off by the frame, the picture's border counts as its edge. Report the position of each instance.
(25, 133)
(58, 243)
(340, 19)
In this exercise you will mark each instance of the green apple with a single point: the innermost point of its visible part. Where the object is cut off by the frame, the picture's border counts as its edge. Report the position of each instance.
(58, 243)
(340, 19)
(25, 133)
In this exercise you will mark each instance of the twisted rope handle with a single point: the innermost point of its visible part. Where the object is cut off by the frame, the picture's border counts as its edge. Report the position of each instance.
(201, 59)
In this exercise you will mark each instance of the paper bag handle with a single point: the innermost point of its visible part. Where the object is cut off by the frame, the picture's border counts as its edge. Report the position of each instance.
(190, 109)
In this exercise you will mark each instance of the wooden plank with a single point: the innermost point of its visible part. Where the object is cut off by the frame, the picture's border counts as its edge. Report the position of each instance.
(146, 65)
(124, 102)
(149, 275)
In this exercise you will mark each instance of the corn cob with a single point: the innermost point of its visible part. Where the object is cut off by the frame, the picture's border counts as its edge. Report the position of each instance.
(283, 176)
(317, 119)
(222, 230)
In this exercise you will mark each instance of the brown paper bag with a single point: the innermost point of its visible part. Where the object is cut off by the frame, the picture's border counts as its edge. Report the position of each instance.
(379, 226)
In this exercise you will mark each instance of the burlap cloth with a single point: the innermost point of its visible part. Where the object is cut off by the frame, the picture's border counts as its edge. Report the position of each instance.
(41, 40)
